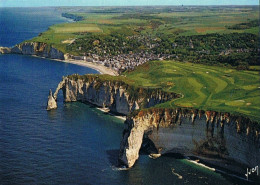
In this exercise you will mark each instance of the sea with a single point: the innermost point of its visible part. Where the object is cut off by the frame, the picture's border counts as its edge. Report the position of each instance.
(75, 144)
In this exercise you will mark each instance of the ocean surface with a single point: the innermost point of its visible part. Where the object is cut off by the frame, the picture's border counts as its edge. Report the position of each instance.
(75, 144)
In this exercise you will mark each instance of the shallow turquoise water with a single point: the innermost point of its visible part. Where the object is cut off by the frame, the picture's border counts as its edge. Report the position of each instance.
(75, 144)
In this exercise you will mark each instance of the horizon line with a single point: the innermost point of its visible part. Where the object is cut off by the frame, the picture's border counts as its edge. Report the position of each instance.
(123, 6)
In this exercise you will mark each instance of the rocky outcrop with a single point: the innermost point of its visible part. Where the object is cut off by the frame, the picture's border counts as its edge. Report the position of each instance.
(34, 48)
(208, 134)
(118, 96)
(51, 104)
(5, 50)
(193, 133)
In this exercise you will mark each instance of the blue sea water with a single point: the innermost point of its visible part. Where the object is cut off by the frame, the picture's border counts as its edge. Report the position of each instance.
(75, 144)
(19, 24)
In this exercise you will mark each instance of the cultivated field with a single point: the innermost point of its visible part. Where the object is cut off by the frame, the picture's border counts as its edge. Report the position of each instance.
(230, 37)
(177, 21)
(75, 28)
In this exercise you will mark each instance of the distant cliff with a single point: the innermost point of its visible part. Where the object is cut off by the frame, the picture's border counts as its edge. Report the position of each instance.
(34, 48)
(191, 132)
(72, 16)
(118, 96)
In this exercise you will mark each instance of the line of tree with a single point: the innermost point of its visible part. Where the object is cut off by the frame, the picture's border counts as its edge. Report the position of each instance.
(243, 26)
(235, 49)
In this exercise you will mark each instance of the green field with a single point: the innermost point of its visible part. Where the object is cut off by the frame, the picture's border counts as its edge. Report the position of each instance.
(203, 87)
(155, 21)
(75, 28)
(224, 38)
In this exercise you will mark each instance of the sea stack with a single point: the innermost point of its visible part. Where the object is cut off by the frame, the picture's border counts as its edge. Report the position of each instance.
(52, 104)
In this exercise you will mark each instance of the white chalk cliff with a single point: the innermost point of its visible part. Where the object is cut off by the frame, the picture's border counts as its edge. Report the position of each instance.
(51, 104)
(192, 133)
(34, 48)
(113, 95)
(208, 134)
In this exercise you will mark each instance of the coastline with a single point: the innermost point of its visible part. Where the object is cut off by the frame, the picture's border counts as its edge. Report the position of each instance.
(106, 110)
(100, 68)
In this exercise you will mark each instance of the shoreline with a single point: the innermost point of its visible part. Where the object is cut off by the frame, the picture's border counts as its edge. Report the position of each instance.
(237, 173)
(100, 68)
(106, 110)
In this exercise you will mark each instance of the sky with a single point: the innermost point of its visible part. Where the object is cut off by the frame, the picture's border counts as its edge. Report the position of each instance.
(35, 3)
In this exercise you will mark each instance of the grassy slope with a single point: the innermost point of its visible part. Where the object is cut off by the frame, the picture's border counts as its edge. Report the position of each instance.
(220, 89)
(203, 87)
(184, 23)
(204, 22)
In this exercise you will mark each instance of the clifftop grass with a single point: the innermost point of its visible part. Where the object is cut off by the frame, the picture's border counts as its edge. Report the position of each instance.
(169, 21)
(136, 93)
(203, 87)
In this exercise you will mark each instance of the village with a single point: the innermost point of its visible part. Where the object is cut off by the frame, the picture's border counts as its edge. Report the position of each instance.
(121, 62)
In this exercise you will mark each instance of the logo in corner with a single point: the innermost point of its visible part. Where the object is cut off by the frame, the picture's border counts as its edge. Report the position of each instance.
(252, 171)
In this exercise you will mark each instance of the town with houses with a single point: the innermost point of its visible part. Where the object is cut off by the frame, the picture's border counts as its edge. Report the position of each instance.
(121, 62)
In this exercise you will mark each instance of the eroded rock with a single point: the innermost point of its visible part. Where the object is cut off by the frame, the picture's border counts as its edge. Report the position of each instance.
(212, 134)
(39, 49)
(110, 94)
(51, 104)
(5, 50)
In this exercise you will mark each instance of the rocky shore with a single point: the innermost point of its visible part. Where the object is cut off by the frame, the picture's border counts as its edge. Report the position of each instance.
(227, 141)
(117, 96)
(210, 134)
(46, 51)
(35, 48)
(112, 65)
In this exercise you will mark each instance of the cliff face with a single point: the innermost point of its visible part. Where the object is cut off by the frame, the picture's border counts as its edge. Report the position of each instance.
(211, 135)
(110, 94)
(190, 132)
(38, 49)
